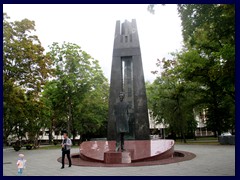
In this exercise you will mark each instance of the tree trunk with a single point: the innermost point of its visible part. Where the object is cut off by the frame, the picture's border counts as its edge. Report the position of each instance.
(194, 137)
(36, 144)
(74, 136)
(163, 133)
(215, 133)
(5, 141)
(69, 116)
(50, 137)
(184, 138)
(215, 110)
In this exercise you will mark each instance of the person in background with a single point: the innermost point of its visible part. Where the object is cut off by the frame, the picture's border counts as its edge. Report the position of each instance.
(66, 148)
(21, 164)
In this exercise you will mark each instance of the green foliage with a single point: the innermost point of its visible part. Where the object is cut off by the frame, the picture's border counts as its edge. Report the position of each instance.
(13, 112)
(209, 36)
(202, 74)
(77, 98)
(171, 101)
(26, 69)
(23, 58)
(151, 9)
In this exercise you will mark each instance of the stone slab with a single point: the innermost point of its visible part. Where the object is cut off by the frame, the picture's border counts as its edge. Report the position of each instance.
(113, 157)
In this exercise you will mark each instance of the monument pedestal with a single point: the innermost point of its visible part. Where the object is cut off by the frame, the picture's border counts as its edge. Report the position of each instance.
(136, 151)
(113, 157)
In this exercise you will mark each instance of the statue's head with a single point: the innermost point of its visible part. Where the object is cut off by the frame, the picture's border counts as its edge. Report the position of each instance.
(121, 96)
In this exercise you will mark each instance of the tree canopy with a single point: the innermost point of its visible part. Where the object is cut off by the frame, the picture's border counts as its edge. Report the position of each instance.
(63, 89)
(78, 95)
(25, 71)
(204, 67)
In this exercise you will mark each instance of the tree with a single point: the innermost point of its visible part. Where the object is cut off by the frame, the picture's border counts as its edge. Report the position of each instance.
(52, 98)
(207, 60)
(26, 69)
(209, 37)
(78, 90)
(172, 99)
(13, 112)
(24, 61)
(35, 119)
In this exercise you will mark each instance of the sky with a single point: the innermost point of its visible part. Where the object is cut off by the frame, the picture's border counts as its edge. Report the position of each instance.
(93, 26)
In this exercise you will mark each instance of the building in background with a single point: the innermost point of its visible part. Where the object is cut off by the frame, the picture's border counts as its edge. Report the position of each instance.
(201, 118)
(158, 130)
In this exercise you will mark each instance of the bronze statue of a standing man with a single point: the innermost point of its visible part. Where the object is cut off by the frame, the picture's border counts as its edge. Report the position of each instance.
(121, 117)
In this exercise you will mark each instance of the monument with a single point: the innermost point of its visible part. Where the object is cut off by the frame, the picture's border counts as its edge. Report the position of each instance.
(127, 76)
(128, 112)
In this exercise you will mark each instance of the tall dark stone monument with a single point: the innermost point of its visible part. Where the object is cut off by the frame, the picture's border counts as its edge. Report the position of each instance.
(127, 76)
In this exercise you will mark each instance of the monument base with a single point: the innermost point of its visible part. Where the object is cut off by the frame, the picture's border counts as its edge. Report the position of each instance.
(113, 157)
(136, 151)
(178, 156)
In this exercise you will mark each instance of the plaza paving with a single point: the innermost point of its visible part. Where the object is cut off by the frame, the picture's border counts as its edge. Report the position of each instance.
(211, 160)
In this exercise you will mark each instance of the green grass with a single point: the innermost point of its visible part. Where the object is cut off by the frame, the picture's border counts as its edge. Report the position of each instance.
(58, 146)
(200, 140)
(198, 143)
(207, 138)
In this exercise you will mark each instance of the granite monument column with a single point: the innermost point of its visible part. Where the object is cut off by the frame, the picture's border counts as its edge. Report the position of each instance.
(127, 76)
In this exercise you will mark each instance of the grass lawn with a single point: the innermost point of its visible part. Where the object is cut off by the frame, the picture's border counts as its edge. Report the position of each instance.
(58, 146)
(200, 140)
(207, 138)
(198, 143)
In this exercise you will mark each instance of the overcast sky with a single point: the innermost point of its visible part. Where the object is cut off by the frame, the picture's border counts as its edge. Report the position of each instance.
(93, 26)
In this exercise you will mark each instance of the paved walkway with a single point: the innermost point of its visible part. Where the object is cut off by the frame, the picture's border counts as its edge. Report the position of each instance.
(211, 160)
